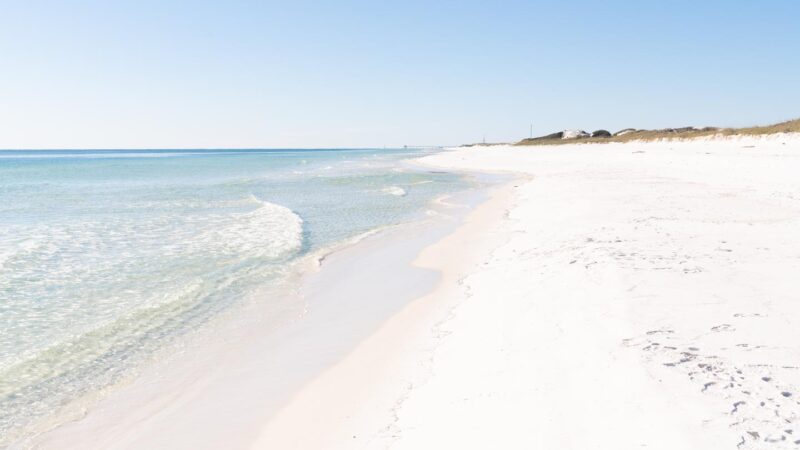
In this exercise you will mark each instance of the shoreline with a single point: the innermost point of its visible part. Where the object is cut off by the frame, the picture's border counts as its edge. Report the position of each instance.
(345, 398)
(225, 364)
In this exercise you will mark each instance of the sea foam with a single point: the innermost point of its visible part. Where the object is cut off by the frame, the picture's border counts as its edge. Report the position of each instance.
(394, 190)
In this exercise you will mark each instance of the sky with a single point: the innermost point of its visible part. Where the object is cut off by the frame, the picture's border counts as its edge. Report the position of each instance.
(246, 74)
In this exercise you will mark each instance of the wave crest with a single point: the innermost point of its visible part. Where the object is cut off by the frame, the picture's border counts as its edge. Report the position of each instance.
(394, 190)
(269, 231)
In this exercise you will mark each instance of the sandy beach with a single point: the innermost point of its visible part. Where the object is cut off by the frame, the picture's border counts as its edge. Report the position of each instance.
(425, 225)
(614, 296)
(636, 295)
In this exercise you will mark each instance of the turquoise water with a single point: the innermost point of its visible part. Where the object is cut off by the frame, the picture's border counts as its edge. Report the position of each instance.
(107, 255)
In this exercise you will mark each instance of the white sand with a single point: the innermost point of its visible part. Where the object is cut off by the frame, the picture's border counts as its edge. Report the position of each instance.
(618, 296)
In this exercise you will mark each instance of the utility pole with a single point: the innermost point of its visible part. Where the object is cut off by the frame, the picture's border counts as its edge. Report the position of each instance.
(531, 136)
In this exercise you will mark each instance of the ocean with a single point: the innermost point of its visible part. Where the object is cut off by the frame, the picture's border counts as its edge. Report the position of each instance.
(108, 256)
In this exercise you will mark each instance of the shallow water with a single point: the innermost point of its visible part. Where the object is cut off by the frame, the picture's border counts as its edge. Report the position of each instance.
(105, 256)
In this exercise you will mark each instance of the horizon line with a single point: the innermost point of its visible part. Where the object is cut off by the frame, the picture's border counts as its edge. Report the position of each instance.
(216, 148)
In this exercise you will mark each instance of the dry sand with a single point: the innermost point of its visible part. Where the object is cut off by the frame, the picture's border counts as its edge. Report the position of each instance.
(618, 296)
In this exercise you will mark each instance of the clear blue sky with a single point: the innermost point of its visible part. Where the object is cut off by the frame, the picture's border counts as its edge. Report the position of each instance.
(145, 74)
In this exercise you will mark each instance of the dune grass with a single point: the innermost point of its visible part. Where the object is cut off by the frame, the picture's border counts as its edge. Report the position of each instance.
(791, 126)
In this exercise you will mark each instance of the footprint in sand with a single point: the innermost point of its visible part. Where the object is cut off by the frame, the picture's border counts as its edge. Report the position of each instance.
(745, 315)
